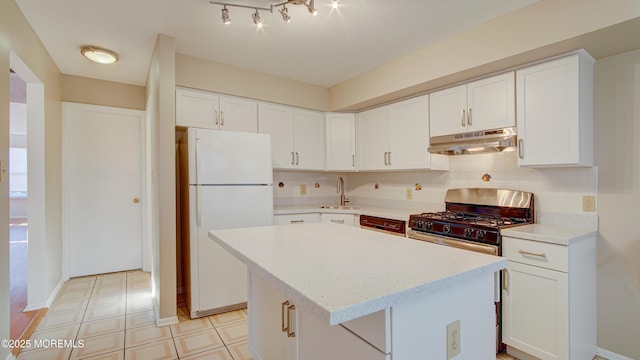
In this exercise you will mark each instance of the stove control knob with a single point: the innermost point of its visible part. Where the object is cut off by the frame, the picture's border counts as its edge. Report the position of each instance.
(480, 234)
(429, 225)
(446, 228)
(468, 232)
(419, 224)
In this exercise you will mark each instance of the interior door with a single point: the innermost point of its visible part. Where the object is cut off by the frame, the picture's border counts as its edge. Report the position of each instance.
(102, 188)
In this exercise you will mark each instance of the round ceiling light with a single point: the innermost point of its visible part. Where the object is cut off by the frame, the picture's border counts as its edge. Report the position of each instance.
(99, 55)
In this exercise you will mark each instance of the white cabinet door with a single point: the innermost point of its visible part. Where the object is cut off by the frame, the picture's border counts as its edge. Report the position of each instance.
(448, 111)
(296, 218)
(491, 103)
(373, 139)
(309, 139)
(409, 134)
(555, 112)
(266, 321)
(535, 311)
(197, 109)
(237, 114)
(341, 142)
(277, 121)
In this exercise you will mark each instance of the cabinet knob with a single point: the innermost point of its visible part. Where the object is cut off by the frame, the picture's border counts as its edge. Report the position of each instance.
(136, 200)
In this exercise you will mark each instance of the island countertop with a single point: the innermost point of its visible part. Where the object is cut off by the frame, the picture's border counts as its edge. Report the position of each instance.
(340, 273)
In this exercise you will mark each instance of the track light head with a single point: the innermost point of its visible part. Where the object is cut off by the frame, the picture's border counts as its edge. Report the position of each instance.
(312, 9)
(225, 15)
(285, 14)
(256, 19)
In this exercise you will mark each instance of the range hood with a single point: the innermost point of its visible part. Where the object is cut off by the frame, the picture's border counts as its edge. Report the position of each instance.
(486, 141)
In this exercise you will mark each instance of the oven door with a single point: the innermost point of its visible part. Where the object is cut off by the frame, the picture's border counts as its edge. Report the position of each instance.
(454, 242)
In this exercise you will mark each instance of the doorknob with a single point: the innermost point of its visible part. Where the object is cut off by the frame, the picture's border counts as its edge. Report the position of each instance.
(136, 200)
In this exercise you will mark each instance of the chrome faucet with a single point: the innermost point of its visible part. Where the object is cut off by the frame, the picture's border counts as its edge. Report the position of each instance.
(340, 189)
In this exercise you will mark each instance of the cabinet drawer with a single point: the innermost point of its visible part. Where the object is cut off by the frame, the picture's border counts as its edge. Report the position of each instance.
(347, 219)
(545, 255)
(296, 218)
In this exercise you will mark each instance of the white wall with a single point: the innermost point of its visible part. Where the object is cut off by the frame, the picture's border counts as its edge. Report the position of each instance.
(617, 153)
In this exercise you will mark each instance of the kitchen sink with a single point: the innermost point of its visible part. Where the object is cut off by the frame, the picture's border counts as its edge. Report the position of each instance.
(337, 207)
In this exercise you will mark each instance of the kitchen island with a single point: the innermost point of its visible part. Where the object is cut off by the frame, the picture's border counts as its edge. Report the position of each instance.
(322, 290)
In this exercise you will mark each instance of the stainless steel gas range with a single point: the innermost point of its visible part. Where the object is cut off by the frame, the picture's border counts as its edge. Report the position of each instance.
(472, 221)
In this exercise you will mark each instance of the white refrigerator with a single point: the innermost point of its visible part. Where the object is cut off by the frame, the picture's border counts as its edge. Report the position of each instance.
(226, 182)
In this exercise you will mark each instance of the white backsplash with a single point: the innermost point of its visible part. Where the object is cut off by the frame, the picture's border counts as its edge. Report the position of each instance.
(558, 191)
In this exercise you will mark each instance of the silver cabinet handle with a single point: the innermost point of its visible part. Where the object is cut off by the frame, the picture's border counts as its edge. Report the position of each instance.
(505, 287)
(389, 156)
(297, 221)
(217, 121)
(290, 333)
(521, 149)
(336, 221)
(282, 307)
(222, 118)
(463, 118)
(297, 158)
(540, 255)
(468, 117)
(353, 160)
(385, 159)
(293, 158)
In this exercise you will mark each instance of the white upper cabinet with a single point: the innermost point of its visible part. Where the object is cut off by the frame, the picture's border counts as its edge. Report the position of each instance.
(480, 105)
(297, 136)
(555, 112)
(341, 141)
(396, 137)
(208, 110)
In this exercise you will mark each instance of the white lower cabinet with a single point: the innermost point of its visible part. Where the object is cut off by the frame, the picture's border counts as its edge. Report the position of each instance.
(296, 218)
(346, 219)
(548, 299)
(278, 330)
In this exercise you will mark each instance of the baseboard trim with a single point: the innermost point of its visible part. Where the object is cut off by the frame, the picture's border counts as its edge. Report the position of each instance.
(163, 321)
(610, 355)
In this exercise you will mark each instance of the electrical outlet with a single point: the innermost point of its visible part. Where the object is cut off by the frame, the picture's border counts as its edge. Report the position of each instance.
(588, 203)
(303, 189)
(453, 339)
(409, 193)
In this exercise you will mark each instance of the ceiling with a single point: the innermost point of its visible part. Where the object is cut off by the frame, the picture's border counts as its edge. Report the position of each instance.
(324, 50)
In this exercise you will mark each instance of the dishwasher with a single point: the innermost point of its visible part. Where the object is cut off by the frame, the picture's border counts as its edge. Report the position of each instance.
(388, 226)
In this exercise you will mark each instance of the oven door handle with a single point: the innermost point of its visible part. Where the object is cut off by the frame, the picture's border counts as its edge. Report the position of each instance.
(453, 242)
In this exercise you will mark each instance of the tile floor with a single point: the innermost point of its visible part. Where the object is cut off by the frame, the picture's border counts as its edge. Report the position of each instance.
(113, 316)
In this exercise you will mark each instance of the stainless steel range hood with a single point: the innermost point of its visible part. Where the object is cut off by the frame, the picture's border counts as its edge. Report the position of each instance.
(476, 142)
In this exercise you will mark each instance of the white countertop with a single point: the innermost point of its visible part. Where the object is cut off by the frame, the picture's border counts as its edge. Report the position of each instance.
(340, 273)
(379, 211)
(554, 234)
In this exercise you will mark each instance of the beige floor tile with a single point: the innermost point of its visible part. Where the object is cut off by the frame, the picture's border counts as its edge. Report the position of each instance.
(233, 333)
(110, 289)
(141, 319)
(104, 312)
(217, 354)
(116, 355)
(68, 305)
(240, 351)
(60, 333)
(197, 342)
(101, 300)
(59, 319)
(183, 313)
(45, 354)
(139, 304)
(228, 318)
(101, 327)
(99, 345)
(145, 335)
(157, 350)
(66, 294)
(191, 326)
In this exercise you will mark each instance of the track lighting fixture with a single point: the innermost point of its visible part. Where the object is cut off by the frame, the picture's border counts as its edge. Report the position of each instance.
(225, 15)
(285, 14)
(309, 4)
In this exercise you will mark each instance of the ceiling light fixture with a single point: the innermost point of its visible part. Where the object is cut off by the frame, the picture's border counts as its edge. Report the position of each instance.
(309, 4)
(334, 4)
(99, 55)
(225, 16)
(285, 14)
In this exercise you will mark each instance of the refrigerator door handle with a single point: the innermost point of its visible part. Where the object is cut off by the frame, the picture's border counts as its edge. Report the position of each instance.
(198, 212)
